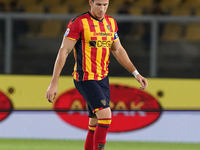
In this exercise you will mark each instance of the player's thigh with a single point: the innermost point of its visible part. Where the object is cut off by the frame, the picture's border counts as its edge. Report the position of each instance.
(93, 94)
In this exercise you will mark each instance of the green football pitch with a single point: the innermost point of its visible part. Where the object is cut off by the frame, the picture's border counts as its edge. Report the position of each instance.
(40, 144)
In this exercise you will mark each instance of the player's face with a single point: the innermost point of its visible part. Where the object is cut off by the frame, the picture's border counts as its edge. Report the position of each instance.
(99, 8)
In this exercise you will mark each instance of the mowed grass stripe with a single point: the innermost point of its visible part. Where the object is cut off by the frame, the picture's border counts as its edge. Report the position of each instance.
(41, 144)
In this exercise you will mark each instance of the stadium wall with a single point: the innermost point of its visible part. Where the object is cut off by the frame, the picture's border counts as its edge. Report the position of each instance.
(168, 111)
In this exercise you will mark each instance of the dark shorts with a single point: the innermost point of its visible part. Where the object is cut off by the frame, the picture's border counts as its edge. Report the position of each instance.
(96, 94)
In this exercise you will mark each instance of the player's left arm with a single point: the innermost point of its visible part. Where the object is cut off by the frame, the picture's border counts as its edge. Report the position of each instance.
(122, 57)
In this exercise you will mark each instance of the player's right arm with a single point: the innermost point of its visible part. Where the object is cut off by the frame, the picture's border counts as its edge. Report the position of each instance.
(66, 47)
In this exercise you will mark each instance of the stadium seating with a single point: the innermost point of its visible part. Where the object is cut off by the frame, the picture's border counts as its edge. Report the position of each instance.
(73, 2)
(58, 9)
(116, 2)
(34, 9)
(191, 3)
(34, 27)
(170, 3)
(143, 3)
(180, 11)
(136, 11)
(177, 7)
(197, 12)
(6, 2)
(139, 33)
(192, 32)
(51, 28)
(80, 10)
(27, 3)
(50, 2)
(111, 11)
(172, 32)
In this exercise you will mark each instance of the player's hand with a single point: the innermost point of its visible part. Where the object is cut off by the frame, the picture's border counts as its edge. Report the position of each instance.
(142, 81)
(51, 93)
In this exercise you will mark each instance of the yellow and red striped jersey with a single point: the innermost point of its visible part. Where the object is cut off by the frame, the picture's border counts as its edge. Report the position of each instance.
(92, 50)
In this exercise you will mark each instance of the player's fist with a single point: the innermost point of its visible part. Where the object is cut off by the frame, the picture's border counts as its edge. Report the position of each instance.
(142, 81)
(51, 93)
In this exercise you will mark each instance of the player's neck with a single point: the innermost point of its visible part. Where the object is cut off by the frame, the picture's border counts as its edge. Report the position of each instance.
(95, 15)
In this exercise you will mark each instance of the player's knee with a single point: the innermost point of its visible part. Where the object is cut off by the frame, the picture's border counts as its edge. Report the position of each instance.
(104, 113)
(93, 121)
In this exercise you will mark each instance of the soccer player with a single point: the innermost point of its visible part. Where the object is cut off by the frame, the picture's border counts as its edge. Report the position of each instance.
(93, 35)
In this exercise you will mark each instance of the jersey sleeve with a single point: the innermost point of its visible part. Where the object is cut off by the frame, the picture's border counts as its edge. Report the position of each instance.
(73, 29)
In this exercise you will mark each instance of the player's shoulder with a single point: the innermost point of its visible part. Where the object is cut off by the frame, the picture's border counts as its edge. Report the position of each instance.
(109, 17)
(79, 17)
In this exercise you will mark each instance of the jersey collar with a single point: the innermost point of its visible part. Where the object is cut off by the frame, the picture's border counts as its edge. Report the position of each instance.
(94, 17)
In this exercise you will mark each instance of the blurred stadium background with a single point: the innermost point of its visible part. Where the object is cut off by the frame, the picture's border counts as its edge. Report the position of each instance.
(162, 38)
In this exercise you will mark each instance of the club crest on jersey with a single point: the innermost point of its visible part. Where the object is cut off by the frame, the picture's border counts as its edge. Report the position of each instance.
(103, 102)
(108, 27)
